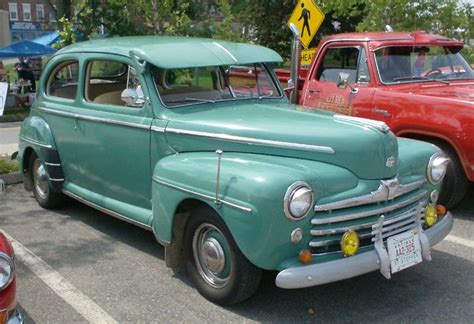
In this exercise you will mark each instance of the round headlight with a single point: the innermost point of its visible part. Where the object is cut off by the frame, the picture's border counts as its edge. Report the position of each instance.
(298, 200)
(6, 270)
(437, 167)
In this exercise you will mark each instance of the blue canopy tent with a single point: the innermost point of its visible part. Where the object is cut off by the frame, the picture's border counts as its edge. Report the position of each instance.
(48, 39)
(25, 48)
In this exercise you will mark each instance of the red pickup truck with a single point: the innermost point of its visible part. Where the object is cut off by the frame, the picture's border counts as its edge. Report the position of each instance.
(417, 83)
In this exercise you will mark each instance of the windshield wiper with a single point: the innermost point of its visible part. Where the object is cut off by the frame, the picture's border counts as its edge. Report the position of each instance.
(417, 77)
(190, 99)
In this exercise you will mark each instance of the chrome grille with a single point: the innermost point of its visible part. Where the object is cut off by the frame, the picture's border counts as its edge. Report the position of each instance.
(400, 214)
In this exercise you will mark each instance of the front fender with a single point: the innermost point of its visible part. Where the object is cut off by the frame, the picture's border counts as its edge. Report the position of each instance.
(252, 188)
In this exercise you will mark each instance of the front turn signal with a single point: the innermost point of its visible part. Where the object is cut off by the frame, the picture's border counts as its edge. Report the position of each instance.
(441, 210)
(305, 256)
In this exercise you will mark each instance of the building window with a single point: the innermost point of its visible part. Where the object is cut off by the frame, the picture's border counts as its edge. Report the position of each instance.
(52, 11)
(12, 7)
(39, 12)
(26, 11)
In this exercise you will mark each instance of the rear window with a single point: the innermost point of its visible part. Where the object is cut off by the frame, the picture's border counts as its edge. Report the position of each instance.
(62, 82)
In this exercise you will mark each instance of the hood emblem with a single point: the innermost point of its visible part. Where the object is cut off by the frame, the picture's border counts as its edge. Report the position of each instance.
(390, 162)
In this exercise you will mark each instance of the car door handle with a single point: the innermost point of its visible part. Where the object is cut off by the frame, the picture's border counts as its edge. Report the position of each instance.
(314, 93)
(381, 111)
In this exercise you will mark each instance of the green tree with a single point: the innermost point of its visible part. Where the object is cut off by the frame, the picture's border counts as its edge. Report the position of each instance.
(67, 34)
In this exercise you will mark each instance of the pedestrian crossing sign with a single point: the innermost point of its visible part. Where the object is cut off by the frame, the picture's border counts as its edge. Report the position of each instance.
(308, 17)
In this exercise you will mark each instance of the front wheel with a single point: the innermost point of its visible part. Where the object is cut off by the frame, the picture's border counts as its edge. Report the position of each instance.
(45, 197)
(455, 183)
(219, 270)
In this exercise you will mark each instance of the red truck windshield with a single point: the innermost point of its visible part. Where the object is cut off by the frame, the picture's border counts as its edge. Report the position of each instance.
(399, 64)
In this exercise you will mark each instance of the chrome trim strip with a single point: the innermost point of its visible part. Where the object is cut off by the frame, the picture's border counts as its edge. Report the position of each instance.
(35, 142)
(388, 189)
(106, 211)
(381, 126)
(334, 241)
(225, 50)
(94, 119)
(52, 164)
(397, 221)
(158, 129)
(335, 219)
(246, 209)
(56, 180)
(341, 230)
(255, 141)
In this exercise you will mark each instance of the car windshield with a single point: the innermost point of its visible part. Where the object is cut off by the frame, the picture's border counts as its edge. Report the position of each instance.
(178, 87)
(401, 64)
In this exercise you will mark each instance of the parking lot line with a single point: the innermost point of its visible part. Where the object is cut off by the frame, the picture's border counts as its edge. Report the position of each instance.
(92, 312)
(460, 240)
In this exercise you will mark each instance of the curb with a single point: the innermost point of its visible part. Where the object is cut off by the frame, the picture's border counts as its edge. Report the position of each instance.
(12, 118)
(12, 178)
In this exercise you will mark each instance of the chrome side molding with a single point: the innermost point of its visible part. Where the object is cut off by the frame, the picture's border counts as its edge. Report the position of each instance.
(381, 126)
(208, 197)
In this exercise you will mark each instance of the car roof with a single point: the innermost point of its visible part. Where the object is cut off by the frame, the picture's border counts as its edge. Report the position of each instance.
(178, 52)
(381, 39)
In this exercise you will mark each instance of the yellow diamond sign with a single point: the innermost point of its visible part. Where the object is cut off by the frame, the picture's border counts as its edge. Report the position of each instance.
(308, 17)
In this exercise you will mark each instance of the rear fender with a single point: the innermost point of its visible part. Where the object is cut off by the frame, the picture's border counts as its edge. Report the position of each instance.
(36, 137)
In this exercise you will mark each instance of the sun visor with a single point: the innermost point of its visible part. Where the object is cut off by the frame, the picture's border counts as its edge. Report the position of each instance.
(207, 53)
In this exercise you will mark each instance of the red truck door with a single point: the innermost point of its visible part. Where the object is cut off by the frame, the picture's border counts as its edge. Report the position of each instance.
(321, 90)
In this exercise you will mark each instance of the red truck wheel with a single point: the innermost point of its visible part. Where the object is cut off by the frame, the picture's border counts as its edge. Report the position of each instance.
(455, 183)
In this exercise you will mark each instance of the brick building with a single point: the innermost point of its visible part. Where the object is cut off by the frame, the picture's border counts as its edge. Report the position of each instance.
(28, 19)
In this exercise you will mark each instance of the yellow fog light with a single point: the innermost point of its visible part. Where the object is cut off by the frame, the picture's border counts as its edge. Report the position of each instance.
(430, 215)
(349, 243)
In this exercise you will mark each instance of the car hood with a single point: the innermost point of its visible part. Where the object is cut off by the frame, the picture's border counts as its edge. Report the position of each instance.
(463, 92)
(284, 130)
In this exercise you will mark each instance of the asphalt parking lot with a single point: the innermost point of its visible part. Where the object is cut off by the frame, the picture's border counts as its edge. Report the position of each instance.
(79, 265)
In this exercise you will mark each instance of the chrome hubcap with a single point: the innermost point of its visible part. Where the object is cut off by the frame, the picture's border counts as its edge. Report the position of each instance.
(40, 179)
(209, 249)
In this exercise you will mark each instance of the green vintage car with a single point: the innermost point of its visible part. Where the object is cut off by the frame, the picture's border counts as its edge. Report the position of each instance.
(194, 140)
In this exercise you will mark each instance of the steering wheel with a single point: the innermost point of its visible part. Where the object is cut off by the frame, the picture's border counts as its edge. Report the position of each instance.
(432, 71)
(244, 90)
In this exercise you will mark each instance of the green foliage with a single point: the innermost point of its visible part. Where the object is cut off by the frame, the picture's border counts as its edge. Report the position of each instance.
(468, 53)
(67, 34)
(8, 166)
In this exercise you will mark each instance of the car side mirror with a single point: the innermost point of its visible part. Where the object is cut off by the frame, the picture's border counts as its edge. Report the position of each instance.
(132, 98)
(342, 80)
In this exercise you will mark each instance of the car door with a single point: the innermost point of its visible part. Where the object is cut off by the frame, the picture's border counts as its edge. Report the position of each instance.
(322, 91)
(57, 108)
(115, 157)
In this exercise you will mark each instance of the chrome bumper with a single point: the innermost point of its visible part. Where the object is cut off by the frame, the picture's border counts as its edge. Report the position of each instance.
(16, 317)
(318, 274)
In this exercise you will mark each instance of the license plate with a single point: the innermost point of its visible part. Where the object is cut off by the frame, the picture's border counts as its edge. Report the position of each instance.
(404, 250)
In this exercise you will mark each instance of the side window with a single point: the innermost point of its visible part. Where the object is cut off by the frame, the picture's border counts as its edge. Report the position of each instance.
(113, 83)
(337, 60)
(62, 82)
(363, 75)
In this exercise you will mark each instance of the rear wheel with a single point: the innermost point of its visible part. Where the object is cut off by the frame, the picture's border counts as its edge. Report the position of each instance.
(219, 270)
(455, 183)
(45, 197)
